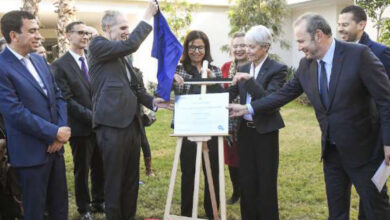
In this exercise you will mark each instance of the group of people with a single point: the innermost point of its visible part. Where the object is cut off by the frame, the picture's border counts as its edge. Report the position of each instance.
(91, 97)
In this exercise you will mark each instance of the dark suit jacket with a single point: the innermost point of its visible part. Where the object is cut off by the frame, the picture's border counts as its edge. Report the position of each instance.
(76, 90)
(358, 82)
(271, 78)
(115, 100)
(31, 117)
(380, 50)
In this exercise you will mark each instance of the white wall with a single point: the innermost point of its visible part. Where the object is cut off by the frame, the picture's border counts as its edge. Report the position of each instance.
(210, 19)
(329, 10)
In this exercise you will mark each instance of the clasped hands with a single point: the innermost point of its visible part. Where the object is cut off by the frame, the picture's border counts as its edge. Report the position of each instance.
(63, 135)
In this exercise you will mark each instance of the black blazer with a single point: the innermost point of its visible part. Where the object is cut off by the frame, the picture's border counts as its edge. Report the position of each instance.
(380, 50)
(358, 82)
(115, 100)
(270, 78)
(76, 91)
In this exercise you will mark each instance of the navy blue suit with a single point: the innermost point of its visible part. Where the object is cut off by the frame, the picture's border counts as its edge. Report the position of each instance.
(380, 50)
(383, 53)
(32, 119)
(352, 124)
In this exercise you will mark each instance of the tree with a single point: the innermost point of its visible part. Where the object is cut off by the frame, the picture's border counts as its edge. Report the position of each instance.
(375, 10)
(31, 6)
(270, 13)
(66, 14)
(385, 33)
(179, 16)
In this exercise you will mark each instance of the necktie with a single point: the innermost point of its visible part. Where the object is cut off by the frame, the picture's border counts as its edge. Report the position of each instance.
(84, 69)
(324, 86)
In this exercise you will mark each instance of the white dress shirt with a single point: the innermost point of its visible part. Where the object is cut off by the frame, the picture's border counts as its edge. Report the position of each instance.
(76, 57)
(254, 73)
(30, 67)
(328, 60)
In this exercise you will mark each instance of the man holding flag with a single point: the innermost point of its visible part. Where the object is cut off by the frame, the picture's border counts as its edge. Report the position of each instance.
(116, 119)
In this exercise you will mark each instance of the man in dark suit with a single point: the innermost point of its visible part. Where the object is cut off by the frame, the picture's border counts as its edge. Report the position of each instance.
(351, 24)
(115, 113)
(71, 74)
(35, 118)
(345, 83)
(258, 136)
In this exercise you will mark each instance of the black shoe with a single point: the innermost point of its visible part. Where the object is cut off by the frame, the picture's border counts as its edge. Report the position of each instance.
(233, 200)
(97, 208)
(86, 216)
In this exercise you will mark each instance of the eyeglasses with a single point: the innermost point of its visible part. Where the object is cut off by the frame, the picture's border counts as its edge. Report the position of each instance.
(82, 33)
(200, 49)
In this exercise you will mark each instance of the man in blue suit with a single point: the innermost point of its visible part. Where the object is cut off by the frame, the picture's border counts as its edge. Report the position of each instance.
(351, 24)
(35, 118)
(350, 93)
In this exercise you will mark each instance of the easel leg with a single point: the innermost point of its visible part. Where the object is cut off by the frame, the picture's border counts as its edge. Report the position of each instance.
(198, 165)
(173, 177)
(222, 195)
(210, 180)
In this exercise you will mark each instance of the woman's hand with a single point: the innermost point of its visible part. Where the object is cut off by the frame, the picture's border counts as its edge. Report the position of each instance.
(210, 74)
(179, 80)
(240, 77)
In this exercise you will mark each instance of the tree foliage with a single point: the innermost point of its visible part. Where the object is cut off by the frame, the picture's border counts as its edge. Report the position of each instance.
(375, 10)
(385, 33)
(270, 13)
(66, 11)
(179, 16)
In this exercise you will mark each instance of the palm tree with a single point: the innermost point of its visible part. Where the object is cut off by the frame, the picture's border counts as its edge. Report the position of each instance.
(31, 6)
(66, 14)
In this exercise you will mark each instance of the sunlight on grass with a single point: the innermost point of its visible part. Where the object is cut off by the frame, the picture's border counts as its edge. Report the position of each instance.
(300, 184)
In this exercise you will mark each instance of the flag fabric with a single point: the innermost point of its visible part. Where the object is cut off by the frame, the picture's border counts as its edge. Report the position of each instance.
(167, 50)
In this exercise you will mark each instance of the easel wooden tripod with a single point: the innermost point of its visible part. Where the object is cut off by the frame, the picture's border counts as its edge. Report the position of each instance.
(201, 141)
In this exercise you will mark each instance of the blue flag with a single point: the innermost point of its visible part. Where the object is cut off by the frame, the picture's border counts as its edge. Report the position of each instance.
(168, 50)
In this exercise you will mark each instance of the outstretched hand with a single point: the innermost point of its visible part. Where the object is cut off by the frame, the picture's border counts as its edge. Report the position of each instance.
(236, 110)
(151, 10)
(161, 103)
(240, 77)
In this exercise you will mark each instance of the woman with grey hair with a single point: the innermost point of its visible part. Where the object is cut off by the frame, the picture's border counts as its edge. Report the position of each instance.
(258, 134)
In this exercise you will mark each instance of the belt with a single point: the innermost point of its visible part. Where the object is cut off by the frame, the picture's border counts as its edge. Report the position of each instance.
(250, 124)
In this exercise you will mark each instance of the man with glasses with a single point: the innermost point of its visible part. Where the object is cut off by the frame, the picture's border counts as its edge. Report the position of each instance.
(72, 76)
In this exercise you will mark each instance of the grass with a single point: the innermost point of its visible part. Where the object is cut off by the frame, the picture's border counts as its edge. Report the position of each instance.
(301, 188)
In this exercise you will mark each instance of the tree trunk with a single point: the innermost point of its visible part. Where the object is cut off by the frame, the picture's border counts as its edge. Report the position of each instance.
(66, 14)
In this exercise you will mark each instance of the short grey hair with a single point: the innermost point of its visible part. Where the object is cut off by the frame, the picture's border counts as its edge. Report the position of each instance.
(260, 35)
(314, 22)
(109, 18)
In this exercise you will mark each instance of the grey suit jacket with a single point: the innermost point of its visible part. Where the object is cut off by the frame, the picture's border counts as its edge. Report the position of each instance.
(270, 78)
(115, 100)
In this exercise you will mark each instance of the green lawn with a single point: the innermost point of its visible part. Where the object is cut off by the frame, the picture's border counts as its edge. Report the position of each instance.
(301, 183)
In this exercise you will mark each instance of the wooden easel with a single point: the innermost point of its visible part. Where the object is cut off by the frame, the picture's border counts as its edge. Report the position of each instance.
(201, 141)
